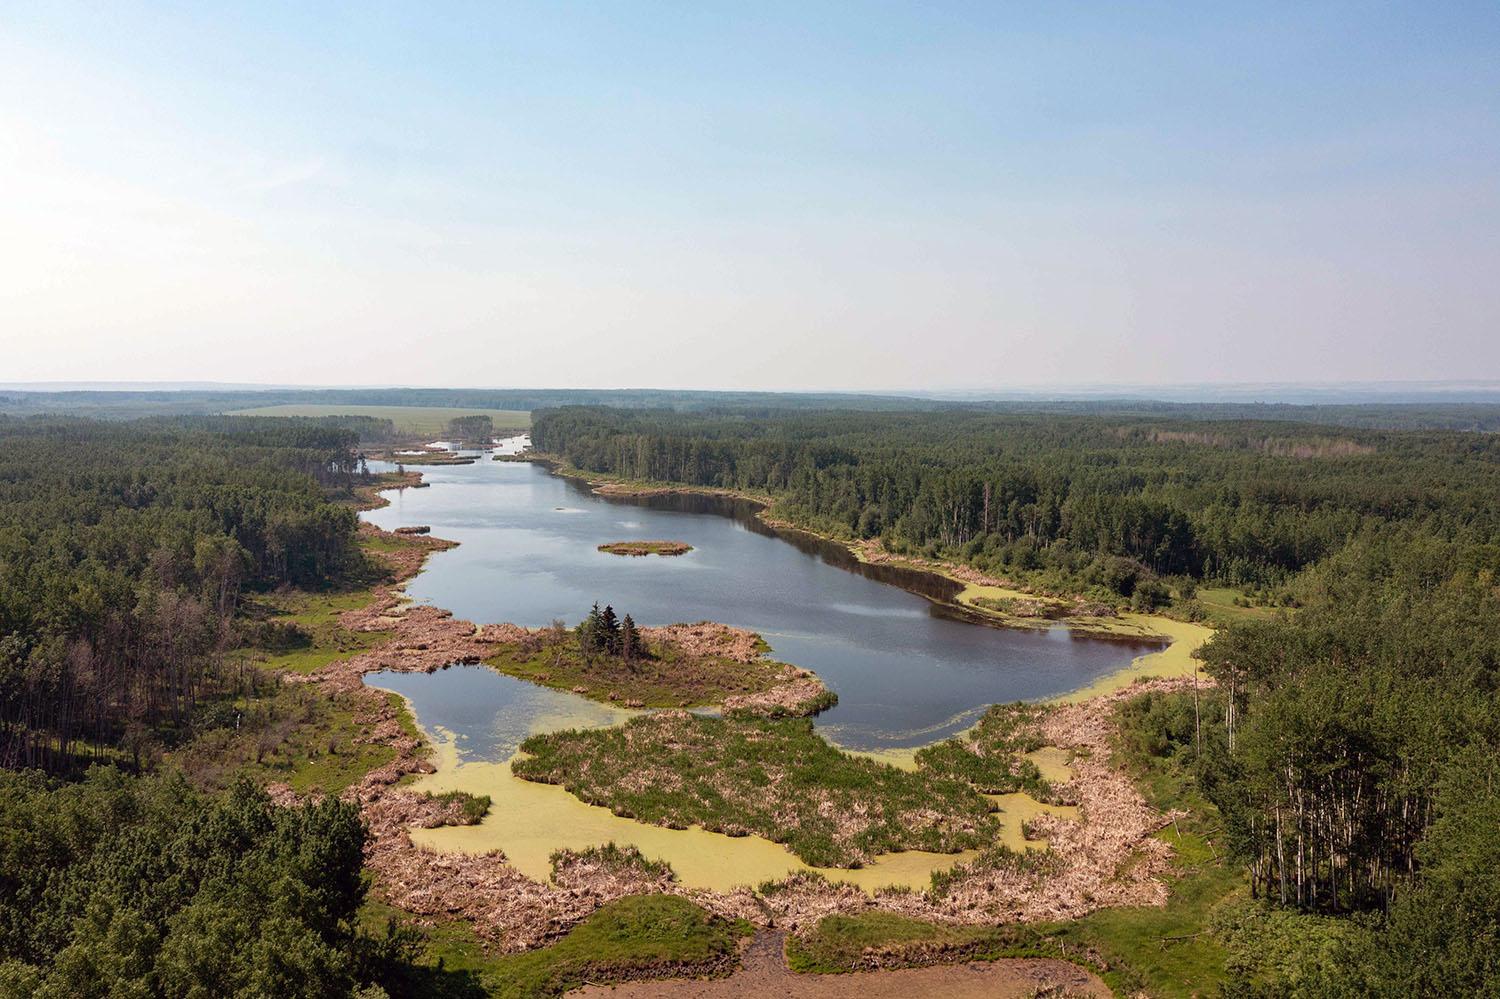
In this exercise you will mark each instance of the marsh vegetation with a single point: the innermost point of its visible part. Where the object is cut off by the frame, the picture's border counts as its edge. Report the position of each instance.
(608, 658)
(639, 548)
(776, 779)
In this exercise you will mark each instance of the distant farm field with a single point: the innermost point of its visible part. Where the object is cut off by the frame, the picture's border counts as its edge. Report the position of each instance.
(408, 419)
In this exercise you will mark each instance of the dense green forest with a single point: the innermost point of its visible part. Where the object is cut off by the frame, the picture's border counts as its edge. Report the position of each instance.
(1348, 759)
(1351, 751)
(120, 886)
(124, 549)
(1102, 501)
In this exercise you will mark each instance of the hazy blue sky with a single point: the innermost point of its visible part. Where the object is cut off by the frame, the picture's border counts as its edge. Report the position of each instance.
(749, 195)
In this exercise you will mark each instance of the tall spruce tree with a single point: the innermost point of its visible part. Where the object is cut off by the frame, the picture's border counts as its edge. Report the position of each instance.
(591, 634)
(630, 639)
(610, 631)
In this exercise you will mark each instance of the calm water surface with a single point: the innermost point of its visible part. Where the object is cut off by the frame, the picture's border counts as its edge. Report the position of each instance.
(907, 671)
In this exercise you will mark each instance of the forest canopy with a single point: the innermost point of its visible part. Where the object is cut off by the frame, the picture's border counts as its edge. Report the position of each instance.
(1245, 503)
(123, 552)
(1351, 748)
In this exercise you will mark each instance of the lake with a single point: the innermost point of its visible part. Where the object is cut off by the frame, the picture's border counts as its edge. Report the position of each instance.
(907, 670)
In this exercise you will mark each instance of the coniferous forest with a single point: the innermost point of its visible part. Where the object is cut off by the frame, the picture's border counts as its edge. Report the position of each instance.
(125, 551)
(1351, 750)
(1347, 760)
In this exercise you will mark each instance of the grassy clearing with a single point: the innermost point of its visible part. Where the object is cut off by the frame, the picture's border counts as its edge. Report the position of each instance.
(776, 779)
(285, 733)
(419, 420)
(644, 936)
(1224, 606)
(839, 944)
(299, 631)
(272, 731)
(1167, 952)
(669, 678)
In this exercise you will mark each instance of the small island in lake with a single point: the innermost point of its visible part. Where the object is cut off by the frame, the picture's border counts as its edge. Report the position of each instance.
(609, 659)
(646, 548)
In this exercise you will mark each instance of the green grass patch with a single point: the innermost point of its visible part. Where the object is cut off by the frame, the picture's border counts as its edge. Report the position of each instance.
(777, 779)
(1172, 951)
(302, 629)
(839, 944)
(472, 807)
(1223, 606)
(418, 420)
(643, 936)
(285, 733)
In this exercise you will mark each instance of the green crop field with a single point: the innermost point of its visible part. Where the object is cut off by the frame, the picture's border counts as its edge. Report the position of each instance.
(408, 419)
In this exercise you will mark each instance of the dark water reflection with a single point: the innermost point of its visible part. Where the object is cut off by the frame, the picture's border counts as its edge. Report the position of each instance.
(907, 670)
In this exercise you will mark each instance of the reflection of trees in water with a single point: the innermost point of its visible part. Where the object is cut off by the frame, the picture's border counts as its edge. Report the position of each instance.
(743, 512)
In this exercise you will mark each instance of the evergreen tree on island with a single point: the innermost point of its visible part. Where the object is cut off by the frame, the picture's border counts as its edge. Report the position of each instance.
(610, 630)
(591, 632)
(602, 632)
(630, 639)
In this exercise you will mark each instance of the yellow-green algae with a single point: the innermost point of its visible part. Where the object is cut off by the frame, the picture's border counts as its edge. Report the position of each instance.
(528, 821)
(1177, 659)
(1019, 808)
(1052, 763)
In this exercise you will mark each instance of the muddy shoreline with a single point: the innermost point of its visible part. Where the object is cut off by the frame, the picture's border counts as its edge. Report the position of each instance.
(1108, 857)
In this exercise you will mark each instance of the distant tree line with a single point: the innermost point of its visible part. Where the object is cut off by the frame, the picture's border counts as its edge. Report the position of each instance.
(477, 430)
(1107, 501)
(1435, 410)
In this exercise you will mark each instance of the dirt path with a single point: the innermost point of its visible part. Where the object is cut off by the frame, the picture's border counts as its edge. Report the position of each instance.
(766, 976)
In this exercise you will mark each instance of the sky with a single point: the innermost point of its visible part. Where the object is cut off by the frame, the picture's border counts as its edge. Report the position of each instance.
(873, 196)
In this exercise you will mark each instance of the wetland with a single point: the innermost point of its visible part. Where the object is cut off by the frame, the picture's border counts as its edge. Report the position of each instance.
(910, 670)
(908, 666)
